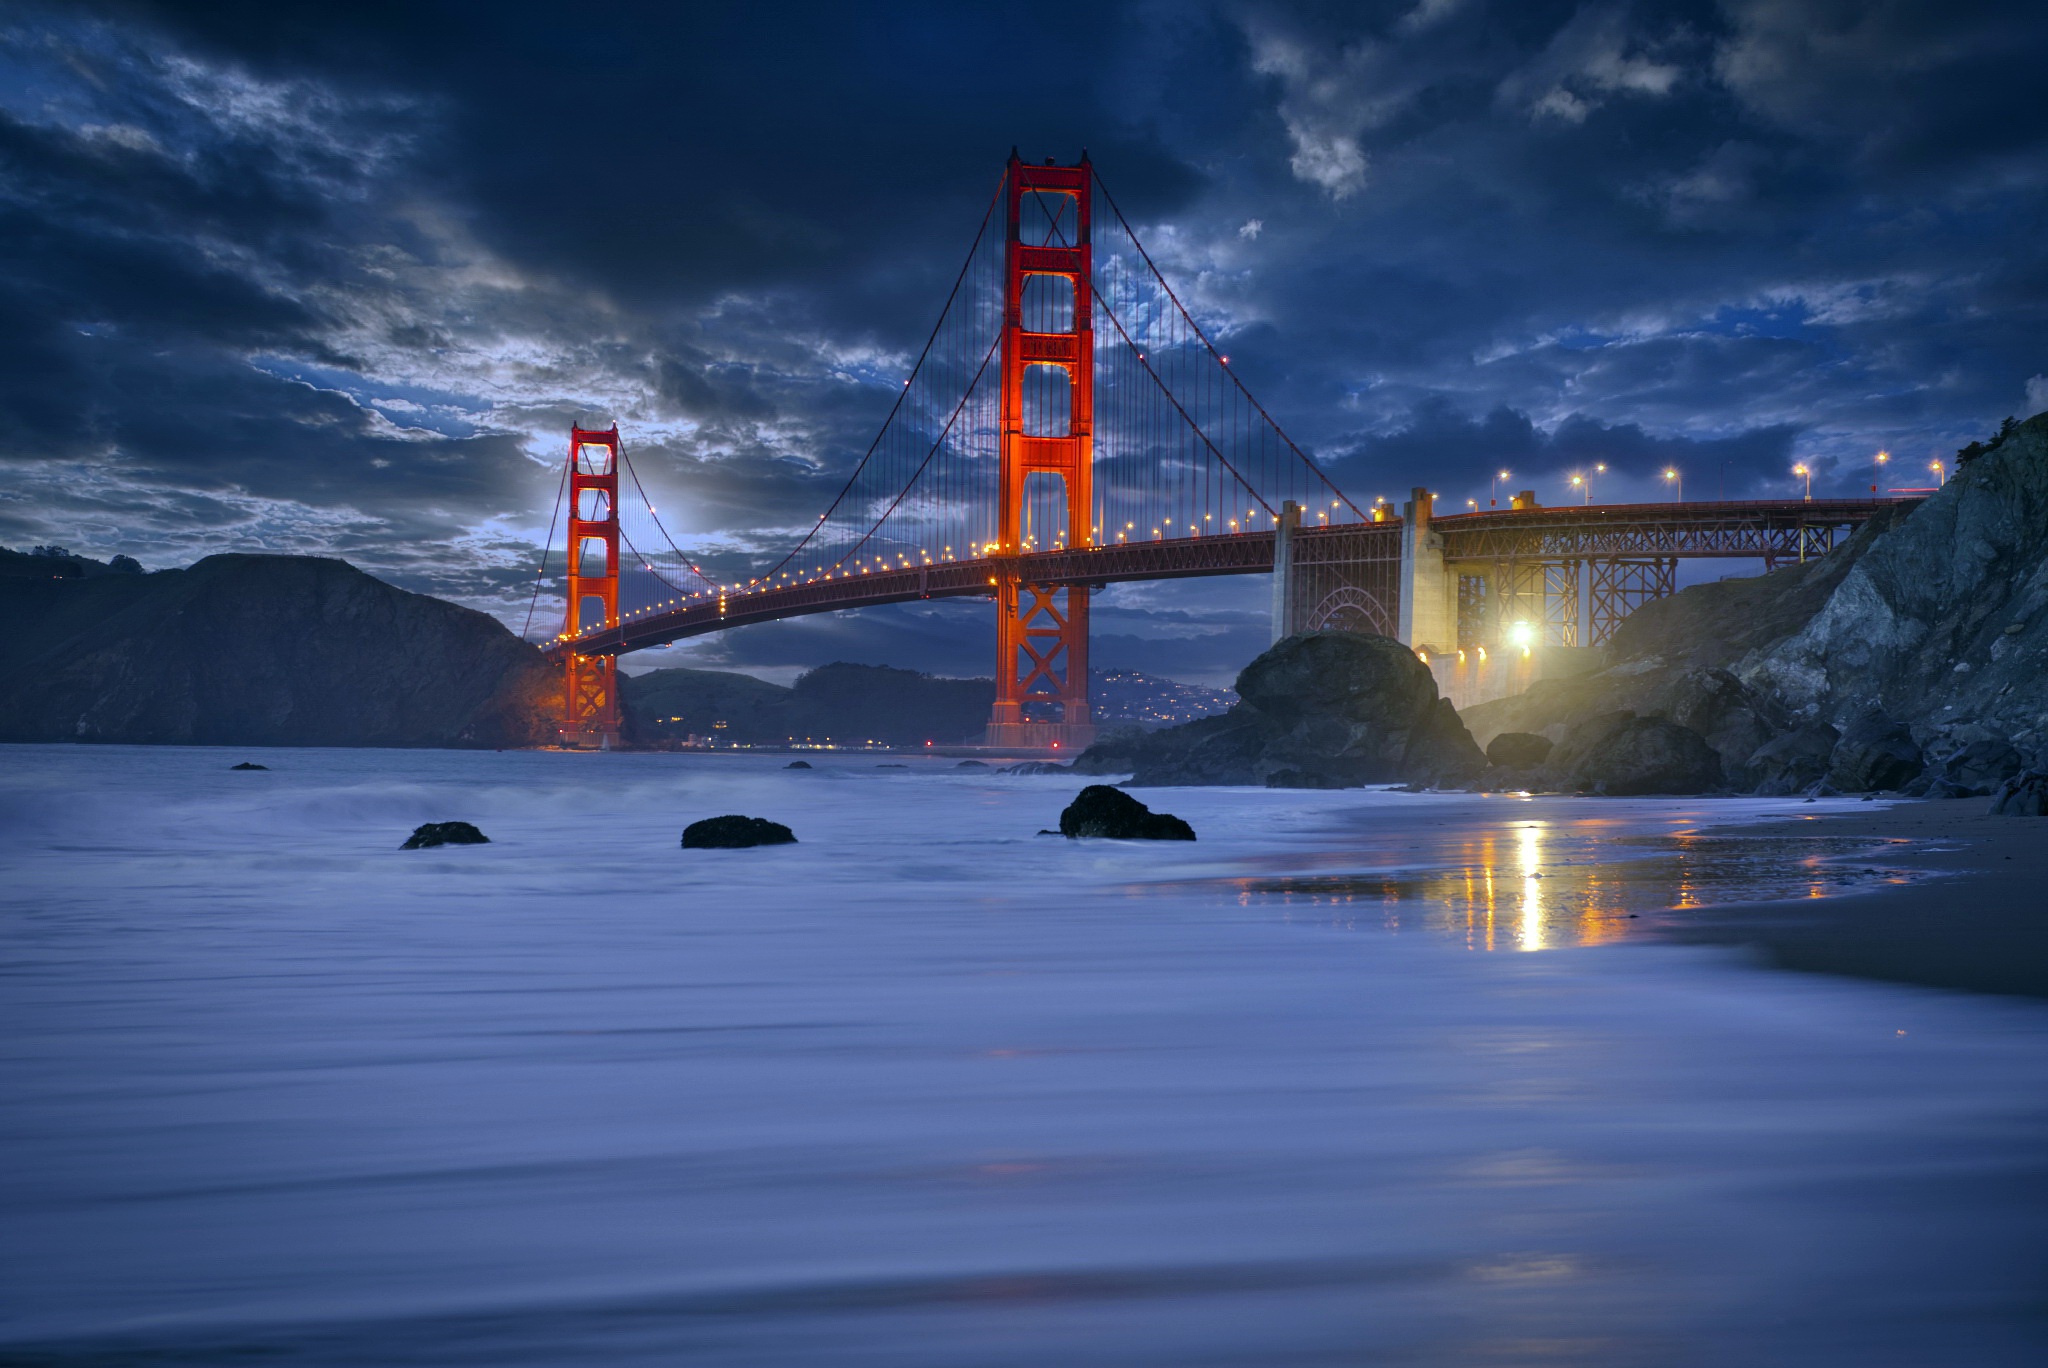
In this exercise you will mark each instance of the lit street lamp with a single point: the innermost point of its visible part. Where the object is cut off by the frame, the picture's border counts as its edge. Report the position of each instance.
(1940, 473)
(1579, 483)
(1878, 478)
(1493, 492)
(1806, 474)
(1676, 481)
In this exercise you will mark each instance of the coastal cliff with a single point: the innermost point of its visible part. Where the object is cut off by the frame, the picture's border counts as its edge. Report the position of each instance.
(260, 650)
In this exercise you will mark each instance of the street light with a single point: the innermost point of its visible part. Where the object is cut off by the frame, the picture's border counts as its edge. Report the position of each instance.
(1677, 481)
(1878, 478)
(1940, 473)
(1579, 483)
(1493, 491)
(1806, 474)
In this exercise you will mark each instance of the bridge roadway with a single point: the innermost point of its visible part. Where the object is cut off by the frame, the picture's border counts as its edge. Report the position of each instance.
(1761, 529)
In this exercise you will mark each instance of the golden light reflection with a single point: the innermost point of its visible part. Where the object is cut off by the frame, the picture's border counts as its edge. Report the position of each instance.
(1529, 847)
(1539, 885)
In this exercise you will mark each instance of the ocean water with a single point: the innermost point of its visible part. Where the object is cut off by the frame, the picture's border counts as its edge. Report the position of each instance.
(1358, 1078)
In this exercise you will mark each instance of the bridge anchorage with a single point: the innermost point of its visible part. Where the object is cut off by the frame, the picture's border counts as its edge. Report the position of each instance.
(1070, 424)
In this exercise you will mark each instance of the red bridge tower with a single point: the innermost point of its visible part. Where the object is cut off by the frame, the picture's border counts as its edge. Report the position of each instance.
(1042, 629)
(590, 695)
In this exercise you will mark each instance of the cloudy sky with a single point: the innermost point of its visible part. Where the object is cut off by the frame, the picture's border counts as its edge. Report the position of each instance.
(336, 278)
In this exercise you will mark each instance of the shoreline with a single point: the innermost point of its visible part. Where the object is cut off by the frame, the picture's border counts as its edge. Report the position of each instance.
(1980, 925)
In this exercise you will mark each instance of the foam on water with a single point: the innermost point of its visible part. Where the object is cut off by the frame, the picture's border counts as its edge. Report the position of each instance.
(927, 1088)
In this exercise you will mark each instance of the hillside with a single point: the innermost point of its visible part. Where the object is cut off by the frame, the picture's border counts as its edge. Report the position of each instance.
(260, 650)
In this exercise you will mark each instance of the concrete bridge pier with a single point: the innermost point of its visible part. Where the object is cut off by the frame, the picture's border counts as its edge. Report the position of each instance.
(1429, 586)
(1286, 584)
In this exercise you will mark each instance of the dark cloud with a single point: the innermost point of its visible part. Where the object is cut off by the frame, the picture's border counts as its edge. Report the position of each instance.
(320, 277)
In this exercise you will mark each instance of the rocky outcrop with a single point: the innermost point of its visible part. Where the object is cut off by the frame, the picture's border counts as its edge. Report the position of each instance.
(1318, 710)
(444, 833)
(1874, 755)
(1517, 750)
(265, 651)
(2023, 795)
(1794, 761)
(1941, 627)
(1109, 813)
(735, 832)
(1622, 755)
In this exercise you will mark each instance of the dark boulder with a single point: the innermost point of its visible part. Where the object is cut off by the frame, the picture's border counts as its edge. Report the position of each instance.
(734, 832)
(1794, 761)
(1110, 813)
(444, 833)
(1336, 709)
(972, 764)
(1874, 754)
(2023, 795)
(1517, 750)
(248, 765)
(1978, 768)
(798, 764)
(1622, 755)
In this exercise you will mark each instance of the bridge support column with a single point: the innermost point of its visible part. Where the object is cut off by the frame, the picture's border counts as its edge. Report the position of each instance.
(1429, 587)
(1286, 607)
(1042, 629)
(590, 693)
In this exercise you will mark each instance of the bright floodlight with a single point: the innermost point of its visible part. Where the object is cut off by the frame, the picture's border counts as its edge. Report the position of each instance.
(1522, 634)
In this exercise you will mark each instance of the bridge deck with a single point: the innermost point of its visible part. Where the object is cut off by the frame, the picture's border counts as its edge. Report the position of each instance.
(1748, 530)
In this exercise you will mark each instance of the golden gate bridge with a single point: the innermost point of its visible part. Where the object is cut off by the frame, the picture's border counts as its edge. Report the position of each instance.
(1069, 425)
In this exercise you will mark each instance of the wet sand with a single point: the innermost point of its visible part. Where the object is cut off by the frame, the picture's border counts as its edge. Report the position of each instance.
(1980, 923)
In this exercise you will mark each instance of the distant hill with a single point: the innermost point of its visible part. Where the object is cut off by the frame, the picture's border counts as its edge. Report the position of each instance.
(842, 704)
(847, 704)
(256, 650)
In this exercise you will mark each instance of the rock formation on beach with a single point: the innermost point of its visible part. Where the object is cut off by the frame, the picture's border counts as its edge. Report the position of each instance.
(1912, 658)
(1318, 710)
(261, 650)
(1109, 813)
(735, 832)
(434, 834)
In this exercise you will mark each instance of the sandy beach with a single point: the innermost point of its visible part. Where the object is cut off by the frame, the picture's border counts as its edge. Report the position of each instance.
(1979, 921)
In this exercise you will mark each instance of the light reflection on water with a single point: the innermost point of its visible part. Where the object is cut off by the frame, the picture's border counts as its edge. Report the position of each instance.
(1533, 885)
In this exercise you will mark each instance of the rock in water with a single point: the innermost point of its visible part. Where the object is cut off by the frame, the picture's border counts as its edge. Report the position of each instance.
(972, 764)
(444, 833)
(2023, 795)
(1517, 750)
(1321, 709)
(734, 832)
(1623, 755)
(798, 764)
(1111, 813)
(246, 765)
(1034, 767)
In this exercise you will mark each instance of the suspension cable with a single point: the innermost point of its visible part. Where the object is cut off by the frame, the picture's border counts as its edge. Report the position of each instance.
(545, 547)
(987, 215)
(1189, 318)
